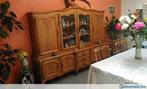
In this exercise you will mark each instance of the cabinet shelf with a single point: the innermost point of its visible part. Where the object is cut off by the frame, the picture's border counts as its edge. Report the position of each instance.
(68, 26)
(69, 43)
(68, 37)
(82, 24)
(83, 34)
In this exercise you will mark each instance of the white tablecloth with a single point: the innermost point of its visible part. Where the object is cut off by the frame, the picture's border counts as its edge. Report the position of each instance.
(119, 69)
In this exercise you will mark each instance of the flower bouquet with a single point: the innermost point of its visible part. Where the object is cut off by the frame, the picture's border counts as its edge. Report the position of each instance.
(110, 28)
(135, 27)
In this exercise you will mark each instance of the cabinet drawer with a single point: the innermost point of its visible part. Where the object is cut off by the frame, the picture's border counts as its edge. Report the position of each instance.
(83, 58)
(86, 52)
(82, 53)
(87, 57)
(88, 62)
(79, 59)
(51, 68)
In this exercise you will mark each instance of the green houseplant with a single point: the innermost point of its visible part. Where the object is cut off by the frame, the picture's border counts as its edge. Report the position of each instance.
(8, 55)
(110, 28)
(8, 20)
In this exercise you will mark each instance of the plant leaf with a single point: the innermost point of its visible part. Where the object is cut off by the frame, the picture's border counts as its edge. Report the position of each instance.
(3, 34)
(12, 14)
(6, 46)
(1, 15)
(13, 64)
(20, 26)
(11, 60)
(8, 22)
(5, 73)
(107, 19)
(16, 50)
(7, 4)
(4, 7)
(1, 66)
(17, 22)
(16, 28)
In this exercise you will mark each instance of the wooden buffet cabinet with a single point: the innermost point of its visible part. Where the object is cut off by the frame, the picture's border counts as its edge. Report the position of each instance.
(63, 40)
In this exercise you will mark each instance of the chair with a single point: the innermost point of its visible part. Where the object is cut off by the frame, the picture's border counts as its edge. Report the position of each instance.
(98, 53)
(116, 47)
(106, 51)
(124, 44)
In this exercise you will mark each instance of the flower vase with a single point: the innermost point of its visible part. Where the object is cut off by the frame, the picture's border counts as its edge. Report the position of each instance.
(25, 66)
(138, 43)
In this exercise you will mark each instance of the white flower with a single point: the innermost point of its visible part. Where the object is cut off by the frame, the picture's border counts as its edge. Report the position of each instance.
(133, 17)
(128, 19)
(122, 18)
(125, 19)
(124, 26)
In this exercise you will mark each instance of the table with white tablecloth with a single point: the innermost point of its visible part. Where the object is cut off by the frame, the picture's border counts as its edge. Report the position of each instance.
(119, 69)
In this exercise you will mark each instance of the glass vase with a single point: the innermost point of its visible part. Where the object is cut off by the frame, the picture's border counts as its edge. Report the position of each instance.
(25, 65)
(138, 43)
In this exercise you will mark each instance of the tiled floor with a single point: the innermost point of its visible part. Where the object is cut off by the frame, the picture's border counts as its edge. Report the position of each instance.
(71, 78)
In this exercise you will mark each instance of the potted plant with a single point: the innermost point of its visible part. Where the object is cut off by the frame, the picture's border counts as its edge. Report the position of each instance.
(8, 55)
(110, 28)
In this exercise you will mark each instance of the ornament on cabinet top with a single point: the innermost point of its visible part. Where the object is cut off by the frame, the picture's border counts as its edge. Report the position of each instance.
(71, 3)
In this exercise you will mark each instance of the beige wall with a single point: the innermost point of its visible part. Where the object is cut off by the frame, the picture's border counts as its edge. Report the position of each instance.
(131, 4)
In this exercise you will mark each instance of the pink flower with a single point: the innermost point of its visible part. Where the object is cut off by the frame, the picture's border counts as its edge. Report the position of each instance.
(118, 26)
(139, 25)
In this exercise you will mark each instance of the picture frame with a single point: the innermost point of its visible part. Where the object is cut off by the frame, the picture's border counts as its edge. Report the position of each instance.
(112, 9)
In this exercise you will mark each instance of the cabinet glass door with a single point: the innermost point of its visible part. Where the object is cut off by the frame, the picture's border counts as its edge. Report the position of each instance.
(68, 31)
(84, 29)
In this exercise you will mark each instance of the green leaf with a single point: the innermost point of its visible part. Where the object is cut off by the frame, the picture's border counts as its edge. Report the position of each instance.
(3, 34)
(1, 15)
(4, 7)
(1, 66)
(11, 60)
(6, 46)
(20, 26)
(17, 22)
(7, 21)
(7, 5)
(12, 14)
(5, 73)
(12, 63)
(113, 33)
(126, 33)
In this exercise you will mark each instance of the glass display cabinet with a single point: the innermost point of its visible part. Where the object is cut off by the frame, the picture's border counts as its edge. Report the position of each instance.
(68, 31)
(84, 29)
